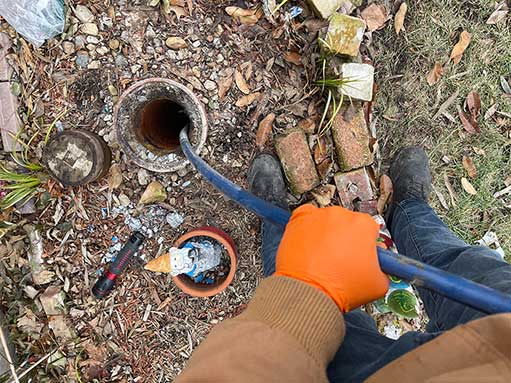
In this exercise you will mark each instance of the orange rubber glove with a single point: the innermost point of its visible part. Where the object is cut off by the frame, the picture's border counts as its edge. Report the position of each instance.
(334, 250)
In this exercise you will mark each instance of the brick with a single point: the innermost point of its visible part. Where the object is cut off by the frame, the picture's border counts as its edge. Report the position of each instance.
(351, 138)
(296, 159)
(344, 35)
(354, 188)
(325, 8)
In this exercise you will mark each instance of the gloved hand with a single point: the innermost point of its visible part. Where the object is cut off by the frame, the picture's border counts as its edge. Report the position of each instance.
(334, 250)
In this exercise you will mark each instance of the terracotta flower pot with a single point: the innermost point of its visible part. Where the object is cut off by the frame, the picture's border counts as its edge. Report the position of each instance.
(190, 287)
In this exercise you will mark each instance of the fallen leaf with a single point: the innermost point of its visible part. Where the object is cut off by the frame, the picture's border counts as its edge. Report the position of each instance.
(450, 189)
(386, 189)
(474, 104)
(320, 150)
(245, 16)
(178, 11)
(375, 16)
(175, 42)
(446, 104)
(467, 186)
(441, 198)
(505, 85)
(264, 130)
(115, 177)
(155, 192)
(30, 324)
(323, 194)
(248, 99)
(460, 47)
(479, 151)
(507, 181)
(400, 17)
(499, 14)
(468, 124)
(435, 73)
(490, 112)
(293, 58)
(469, 166)
(223, 86)
(240, 82)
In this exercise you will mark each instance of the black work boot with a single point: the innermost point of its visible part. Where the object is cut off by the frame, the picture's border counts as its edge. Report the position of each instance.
(266, 181)
(410, 174)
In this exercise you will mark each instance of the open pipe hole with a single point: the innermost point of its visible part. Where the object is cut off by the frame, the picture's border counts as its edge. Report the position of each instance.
(159, 124)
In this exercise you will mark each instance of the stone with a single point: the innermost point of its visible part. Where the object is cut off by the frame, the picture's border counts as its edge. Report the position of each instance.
(143, 177)
(79, 42)
(90, 29)
(361, 79)
(83, 14)
(295, 156)
(325, 8)
(94, 65)
(102, 50)
(52, 301)
(353, 187)
(176, 43)
(210, 85)
(344, 35)
(155, 192)
(114, 44)
(68, 47)
(351, 138)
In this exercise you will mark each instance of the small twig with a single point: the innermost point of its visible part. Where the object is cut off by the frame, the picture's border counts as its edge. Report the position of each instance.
(8, 356)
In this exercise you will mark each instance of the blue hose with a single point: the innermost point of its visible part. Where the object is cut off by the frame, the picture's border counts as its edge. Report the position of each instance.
(451, 286)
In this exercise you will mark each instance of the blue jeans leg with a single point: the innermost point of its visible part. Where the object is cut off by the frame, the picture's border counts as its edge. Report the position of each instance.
(420, 234)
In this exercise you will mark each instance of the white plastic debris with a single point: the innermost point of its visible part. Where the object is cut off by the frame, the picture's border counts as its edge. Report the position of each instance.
(174, 219)
(491, 240)
(36, 20)
(194, 258)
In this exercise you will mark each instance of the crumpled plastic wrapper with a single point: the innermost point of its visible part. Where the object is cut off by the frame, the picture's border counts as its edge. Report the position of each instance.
(35, 20)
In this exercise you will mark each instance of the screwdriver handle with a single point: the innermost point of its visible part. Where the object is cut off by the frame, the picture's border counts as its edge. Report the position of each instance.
(124, 256)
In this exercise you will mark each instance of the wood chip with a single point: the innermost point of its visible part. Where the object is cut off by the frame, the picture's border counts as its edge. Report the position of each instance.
(224, 85)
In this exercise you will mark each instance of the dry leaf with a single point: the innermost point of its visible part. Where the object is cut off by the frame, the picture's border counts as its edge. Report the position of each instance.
(459, 48)
(468, 124)
(240, 82)
(505, 85)
(264, 130)
(469, 166)
(474, 104)
(247, 100)
(178, 11)
(499, 14)
(435, 73)
(324, 168)
(400, 17)
(238, 11)
(323, 194)
(293, 58)
(223, 87)
(115, 177)
(385, 192)
(490, 112)
(479, 151)
(450, 189)
(320, 150)
(441, 198)
(467, 186)
(375, 16)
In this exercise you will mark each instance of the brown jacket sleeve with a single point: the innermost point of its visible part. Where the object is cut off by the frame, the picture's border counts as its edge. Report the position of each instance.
(289, 332)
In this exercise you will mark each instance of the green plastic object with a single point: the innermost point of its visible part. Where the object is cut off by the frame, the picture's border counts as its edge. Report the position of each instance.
(403, 303)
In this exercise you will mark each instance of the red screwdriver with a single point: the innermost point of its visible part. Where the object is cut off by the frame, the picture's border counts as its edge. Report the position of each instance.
(106, 282)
